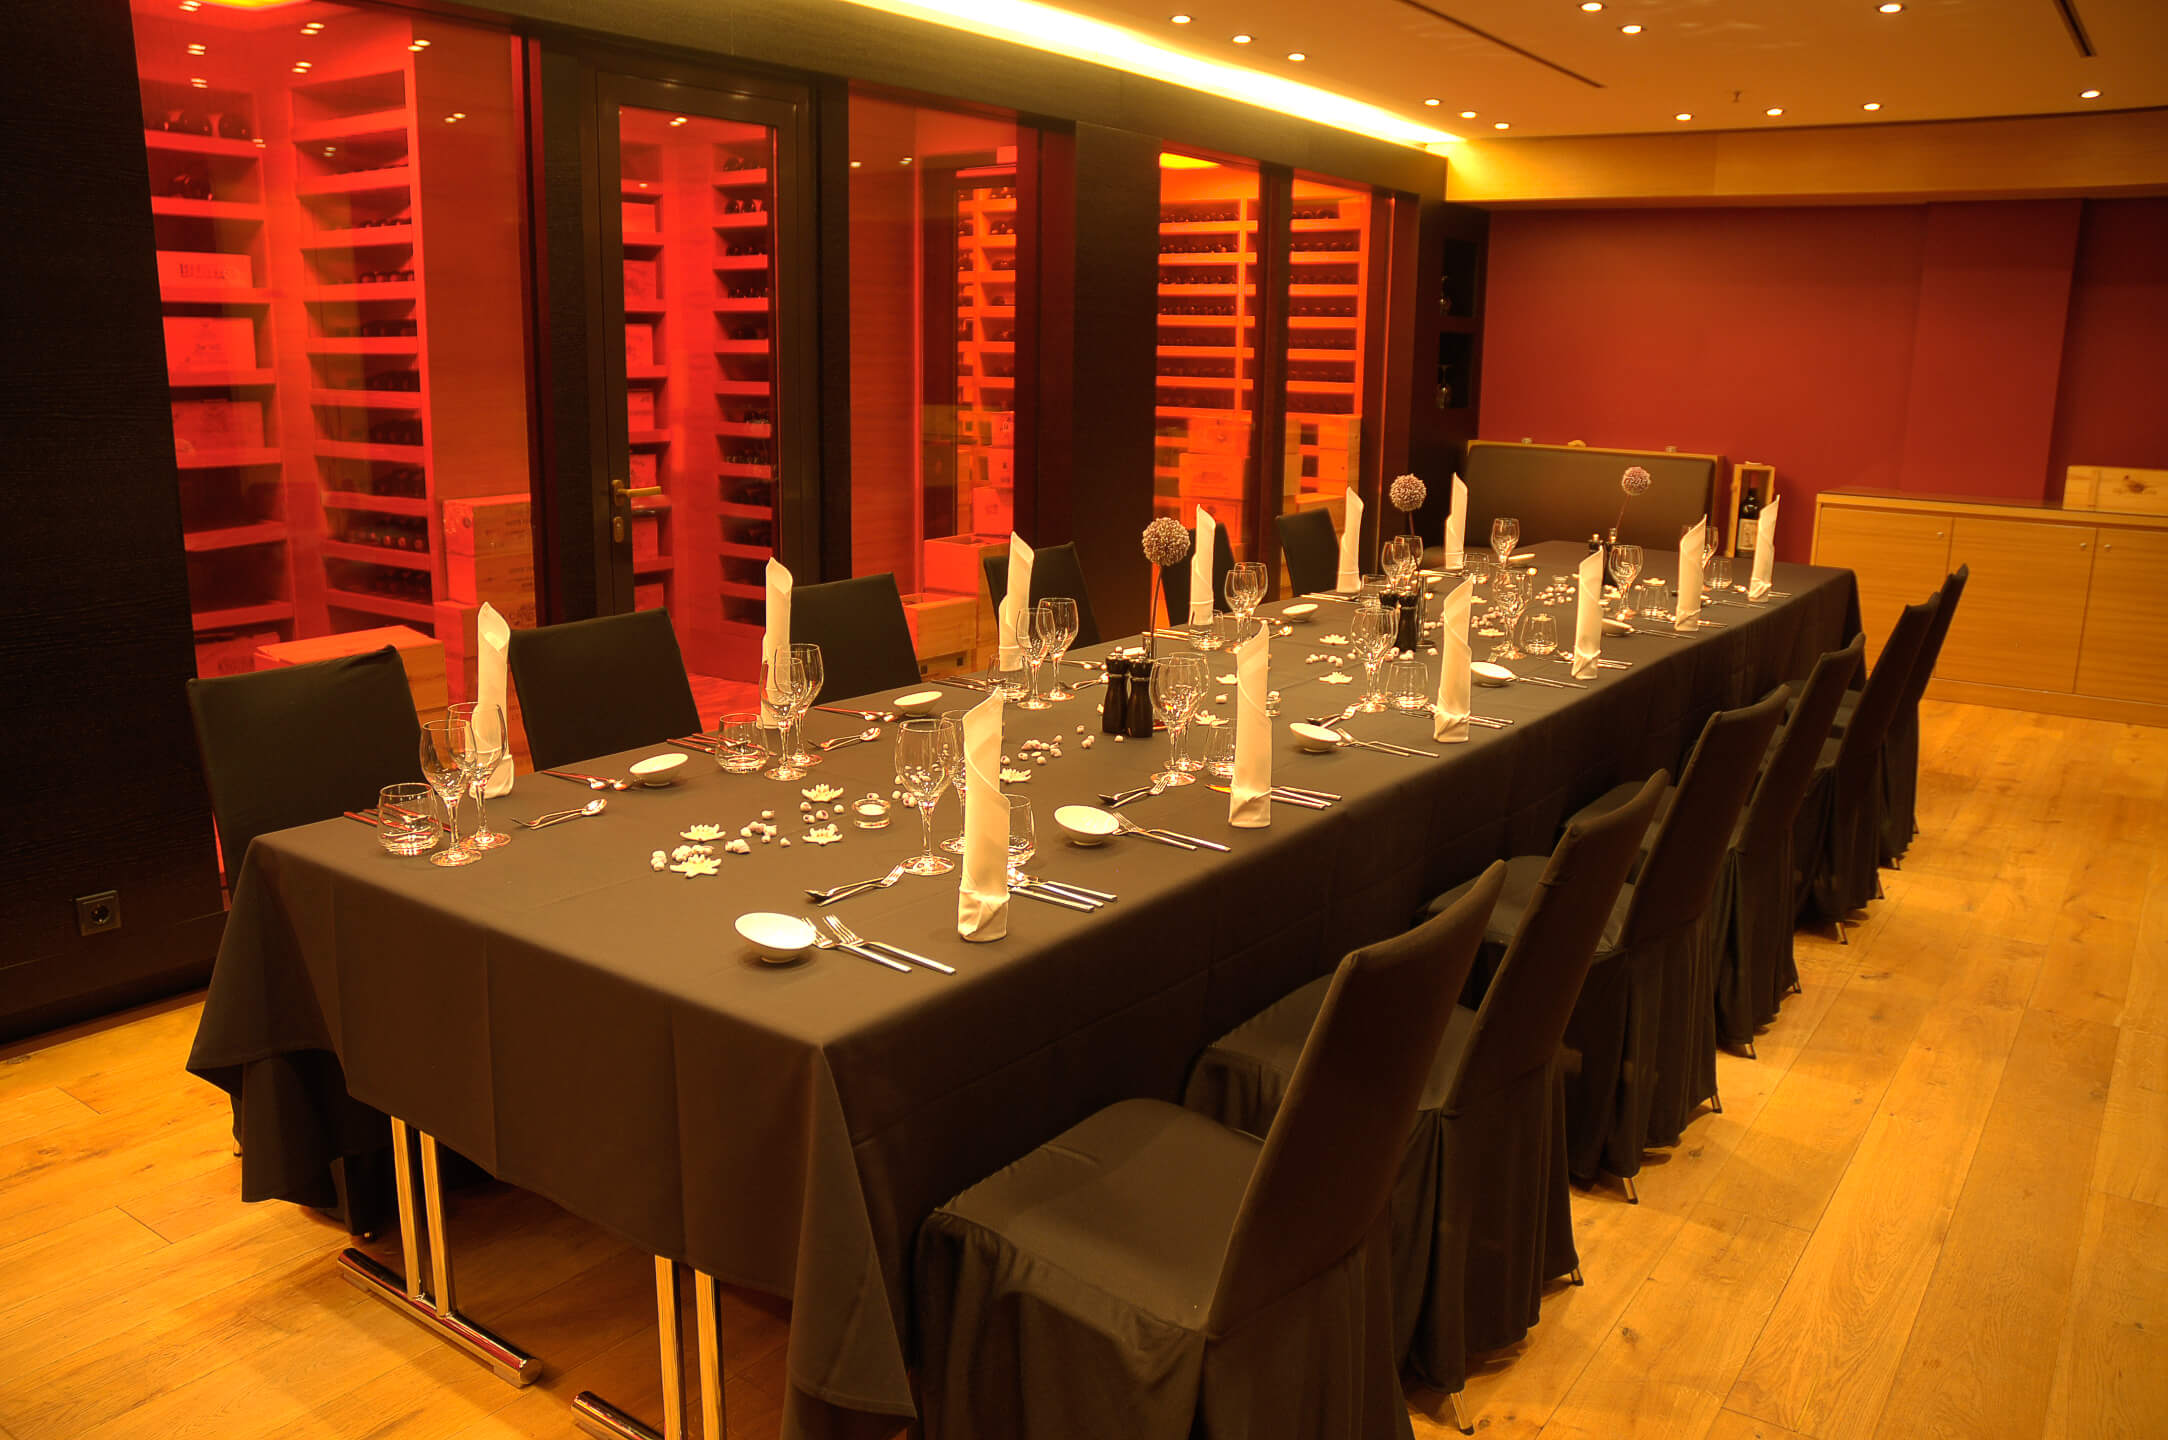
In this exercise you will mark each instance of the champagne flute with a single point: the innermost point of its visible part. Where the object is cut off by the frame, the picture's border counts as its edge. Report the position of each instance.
(784, 690)
(485, 731)
(1177, 686)
(1625, 569)
(922, 773)
(1069, 624)
(1505, 533)
(809, 659)
(1036, 634)
(445, 749)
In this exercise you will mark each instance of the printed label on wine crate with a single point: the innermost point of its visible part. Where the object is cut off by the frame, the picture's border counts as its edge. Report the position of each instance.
(640, 345)
(642, 283)
(640, 409)
(646, 536)
(206, 425)
(645, 469)
(204, 267)
(231, 654)
(1228, 434)
(210, 342)
(489, 525)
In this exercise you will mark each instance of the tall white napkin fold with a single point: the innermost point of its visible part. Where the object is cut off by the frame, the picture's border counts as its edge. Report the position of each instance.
(1456, 519)
(1249, 793)
(1689, 610)
(1765, 551)
(1588, 617)
(493, 637)
(1351, 546)
(776, 638)
(1201, 555)
(1013, 615)
(982, 899)
(1450, 720)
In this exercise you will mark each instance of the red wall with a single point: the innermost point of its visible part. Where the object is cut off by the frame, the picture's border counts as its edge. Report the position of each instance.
(1912, 347)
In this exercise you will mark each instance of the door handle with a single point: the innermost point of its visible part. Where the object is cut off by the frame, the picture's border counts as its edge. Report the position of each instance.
(619, 490)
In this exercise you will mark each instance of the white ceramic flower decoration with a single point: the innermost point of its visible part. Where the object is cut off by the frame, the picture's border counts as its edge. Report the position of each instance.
(701, 832)
(697, 865)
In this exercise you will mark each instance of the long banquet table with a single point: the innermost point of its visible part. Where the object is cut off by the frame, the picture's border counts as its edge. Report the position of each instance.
(580, 1025)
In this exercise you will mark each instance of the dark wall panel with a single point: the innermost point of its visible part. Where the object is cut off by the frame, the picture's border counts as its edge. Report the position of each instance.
(97, 756)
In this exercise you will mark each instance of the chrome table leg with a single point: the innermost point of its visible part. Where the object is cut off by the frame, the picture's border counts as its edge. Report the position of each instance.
(598, 1417)
(405, 1293)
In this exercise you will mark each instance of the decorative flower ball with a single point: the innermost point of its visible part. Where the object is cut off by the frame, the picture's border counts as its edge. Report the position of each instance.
(1635, 481)
(1166, 541)
(1408, 492)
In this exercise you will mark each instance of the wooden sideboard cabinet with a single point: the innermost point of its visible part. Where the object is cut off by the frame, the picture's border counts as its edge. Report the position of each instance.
(2066, 611)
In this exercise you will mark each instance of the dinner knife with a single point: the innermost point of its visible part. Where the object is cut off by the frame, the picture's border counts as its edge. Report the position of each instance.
(1051, 898)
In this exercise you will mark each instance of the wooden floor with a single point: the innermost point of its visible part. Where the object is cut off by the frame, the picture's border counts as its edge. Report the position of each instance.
(1936, 1205)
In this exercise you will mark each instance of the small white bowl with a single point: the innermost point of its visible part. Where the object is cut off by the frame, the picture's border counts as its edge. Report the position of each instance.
(1301, 612)
(776, 938)
(918, 702)
(1315, 738)
(1087, 824)
(1617, 627)
(1485, 673)
(658, 770)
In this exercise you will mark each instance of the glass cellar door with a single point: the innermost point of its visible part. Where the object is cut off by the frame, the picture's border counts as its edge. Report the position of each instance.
(691, 293)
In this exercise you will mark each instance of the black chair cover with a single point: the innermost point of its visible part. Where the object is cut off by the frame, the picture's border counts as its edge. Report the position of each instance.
(1055, 570)
(1901, 747)
(1481, 1209)
(1152, 1275)
(1174, 579)
(1311, 550)
(864, 638)
(1752, 914)
(560, 671)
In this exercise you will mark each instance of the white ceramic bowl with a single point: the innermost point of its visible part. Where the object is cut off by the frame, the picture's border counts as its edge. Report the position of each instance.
(1300, 612)
(658, 770)
(1314, 738)
(918, 702)
(776, 938)
(1086, 824)
(1617, 627)
(1486, 673)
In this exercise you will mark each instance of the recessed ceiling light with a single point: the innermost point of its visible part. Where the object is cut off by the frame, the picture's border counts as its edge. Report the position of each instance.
(419, 46)
(1297, 56)
(2088, 94)
(1432, 102)
(1467, 114)
(301, 67)
(1872, 105)
(856, 163)
(1889, 7)
(1774, 110)
(1591, 6)
(199, 82)
(314, 27)
(195, 49)
(1629, 29)
(455, 117)
(1500, 125)
(191, 5)
(1242, 39)
(677, 120)
(1179, 19)
(904, 161)
(1684, 115)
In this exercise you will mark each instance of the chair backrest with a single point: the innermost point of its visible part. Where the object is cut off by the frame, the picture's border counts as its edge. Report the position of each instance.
(1524, 1012)
(1688, 848)
(1334, 1147)
(1861, 748)
(1055, 570)
(1790, 767)
(864, 638)
(1310, 548)
(594, 687)
(301, 743)
(1923, 668)
(1174, 579)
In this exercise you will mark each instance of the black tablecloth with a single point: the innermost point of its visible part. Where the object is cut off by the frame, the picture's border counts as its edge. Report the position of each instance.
(583, 1026)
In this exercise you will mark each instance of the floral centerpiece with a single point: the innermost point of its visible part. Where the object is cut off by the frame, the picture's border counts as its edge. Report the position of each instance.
(1166, 542)
(1635, 481)
(1408, 492)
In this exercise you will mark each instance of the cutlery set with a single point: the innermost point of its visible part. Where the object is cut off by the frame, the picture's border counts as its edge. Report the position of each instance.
(856, 887)
(1057, 892)
(880, 952)
(1296, 795)
(1174, 838)
(592, 782)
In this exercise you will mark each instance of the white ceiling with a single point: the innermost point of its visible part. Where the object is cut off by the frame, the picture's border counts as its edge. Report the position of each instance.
(1546, 67)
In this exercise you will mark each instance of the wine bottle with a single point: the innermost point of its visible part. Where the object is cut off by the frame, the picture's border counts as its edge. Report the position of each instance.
(1749, 522)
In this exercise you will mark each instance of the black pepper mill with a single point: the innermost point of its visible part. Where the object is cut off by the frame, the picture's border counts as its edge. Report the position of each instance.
(1139, 726)
(1114, 710)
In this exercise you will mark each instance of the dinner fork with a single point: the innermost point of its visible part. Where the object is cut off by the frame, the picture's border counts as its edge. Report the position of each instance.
(845, 892)
(826, 942)
(851, 937)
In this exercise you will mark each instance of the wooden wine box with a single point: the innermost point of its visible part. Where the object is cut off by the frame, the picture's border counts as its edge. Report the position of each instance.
(945, 631)
(456, 627)
(422, 656)
(2116, 488)
(489, 555)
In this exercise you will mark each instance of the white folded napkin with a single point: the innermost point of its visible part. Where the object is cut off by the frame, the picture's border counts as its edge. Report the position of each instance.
(982, 900)
(1689, 611)
(1456, 520)
(1200, 568)
(776, 638)
(1249, 793)
(1765, 551)
(1588, 617)
(1351, 546)
(493, 635)
(1450, 721)
(1016, 605)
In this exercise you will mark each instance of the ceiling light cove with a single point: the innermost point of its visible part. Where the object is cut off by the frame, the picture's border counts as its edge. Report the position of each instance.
(1061, 32)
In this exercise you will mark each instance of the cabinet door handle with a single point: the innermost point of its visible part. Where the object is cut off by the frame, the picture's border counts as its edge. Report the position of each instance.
(2082, 544)
(2110, 545)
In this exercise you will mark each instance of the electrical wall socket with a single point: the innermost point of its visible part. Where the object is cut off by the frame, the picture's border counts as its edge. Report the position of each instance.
(96, 914)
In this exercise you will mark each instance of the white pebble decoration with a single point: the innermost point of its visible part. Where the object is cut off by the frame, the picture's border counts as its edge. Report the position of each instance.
(1120, 738)
(1011, 775)
(701, 832)
(739, 847)
(786, 842)
(767, 814)
(659, 860)
(1088, 741)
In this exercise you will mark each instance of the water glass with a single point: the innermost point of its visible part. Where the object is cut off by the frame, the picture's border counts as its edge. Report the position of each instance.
(1226, 631)
(1407, 684)
(1219, 752)
(405, 822)
(1720, 573)
(1539, 636)
(1023, 836)
(741, 746)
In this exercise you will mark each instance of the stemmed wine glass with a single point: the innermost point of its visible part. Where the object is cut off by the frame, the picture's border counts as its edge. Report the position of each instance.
(1036, 635)
(1245, 587)
(809, 656)
(447, 765)
(952, 734)
(1401, 555)
(923, 764)
(1511, 593)
(1505, 533)
(1067, 624)
(1178, 683)
(785, 689)
(485, 731)
(1372, 633)
(1625, 569)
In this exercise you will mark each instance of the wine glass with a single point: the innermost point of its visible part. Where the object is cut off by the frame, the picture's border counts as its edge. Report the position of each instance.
(785, 690)
(1625, 569)
(1037, 633)
(1510, 592)
(809, 657)
(1371, 636)
(1398, 561)
(952, 733)
(1708, 543)
(922, 773)
(486, 738)
(1178, 683)
(1505, 533)
(1540, 636)
(1245, 587)
(1023, 836)
(445, 765)
(1719, 574)
(1064, 611)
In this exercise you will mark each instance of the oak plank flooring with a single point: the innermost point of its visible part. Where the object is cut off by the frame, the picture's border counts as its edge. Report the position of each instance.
(1936, 1203)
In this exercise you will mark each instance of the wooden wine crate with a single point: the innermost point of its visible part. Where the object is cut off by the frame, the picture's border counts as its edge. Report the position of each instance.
(231, 654)
(2116, 488)
(953, 563)
(422, 656)
(945, 631)
(489, 554)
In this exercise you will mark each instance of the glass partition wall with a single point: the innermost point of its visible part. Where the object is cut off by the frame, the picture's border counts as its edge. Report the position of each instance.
(1211, 293)
(1328, 340)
